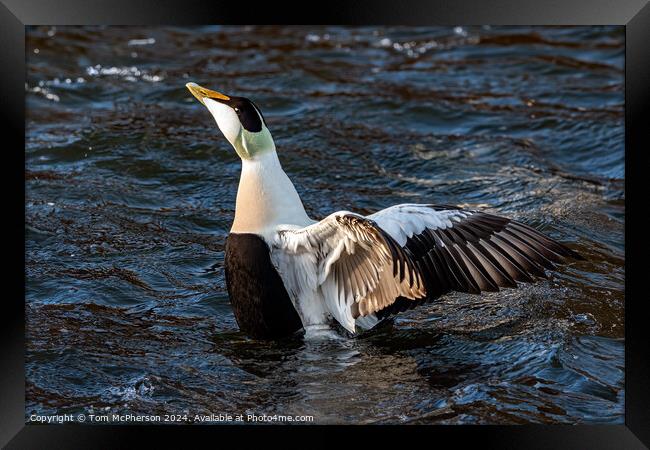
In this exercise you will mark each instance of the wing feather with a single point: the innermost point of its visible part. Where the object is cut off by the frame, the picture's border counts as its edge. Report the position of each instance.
(468, 251)
(372, 267)
(359, 268)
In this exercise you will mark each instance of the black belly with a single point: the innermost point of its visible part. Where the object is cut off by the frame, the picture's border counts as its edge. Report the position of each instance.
(259, 299)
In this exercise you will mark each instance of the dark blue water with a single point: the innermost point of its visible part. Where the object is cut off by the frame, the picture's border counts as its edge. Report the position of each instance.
(131, 189)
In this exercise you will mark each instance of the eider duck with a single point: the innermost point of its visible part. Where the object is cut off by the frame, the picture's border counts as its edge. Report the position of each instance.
(286, 271)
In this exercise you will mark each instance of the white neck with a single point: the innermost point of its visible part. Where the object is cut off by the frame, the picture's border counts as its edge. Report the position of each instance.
(266, 197)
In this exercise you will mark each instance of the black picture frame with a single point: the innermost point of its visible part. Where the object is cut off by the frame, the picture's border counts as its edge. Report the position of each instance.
(16, 14)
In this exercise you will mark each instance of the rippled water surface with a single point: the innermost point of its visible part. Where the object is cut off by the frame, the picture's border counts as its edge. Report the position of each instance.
(131, 188)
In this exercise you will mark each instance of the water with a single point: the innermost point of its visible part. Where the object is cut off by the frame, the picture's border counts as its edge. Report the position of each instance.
(131, 188)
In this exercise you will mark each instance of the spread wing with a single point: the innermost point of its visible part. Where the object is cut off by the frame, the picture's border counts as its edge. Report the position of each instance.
(369, 268)
(359, 268)
(467, 251)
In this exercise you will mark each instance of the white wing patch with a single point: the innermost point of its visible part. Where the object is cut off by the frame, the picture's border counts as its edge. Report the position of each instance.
(404, 221)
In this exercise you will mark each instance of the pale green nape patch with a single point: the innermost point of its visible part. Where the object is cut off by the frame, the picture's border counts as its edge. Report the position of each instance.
(249, 144)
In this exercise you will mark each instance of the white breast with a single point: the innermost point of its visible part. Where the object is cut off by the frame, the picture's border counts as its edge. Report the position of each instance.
(266, 198)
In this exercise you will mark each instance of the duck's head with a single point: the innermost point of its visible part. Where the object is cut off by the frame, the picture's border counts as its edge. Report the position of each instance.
(239, 119)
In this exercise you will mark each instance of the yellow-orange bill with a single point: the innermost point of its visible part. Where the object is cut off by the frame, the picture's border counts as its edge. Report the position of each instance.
(200, 93)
